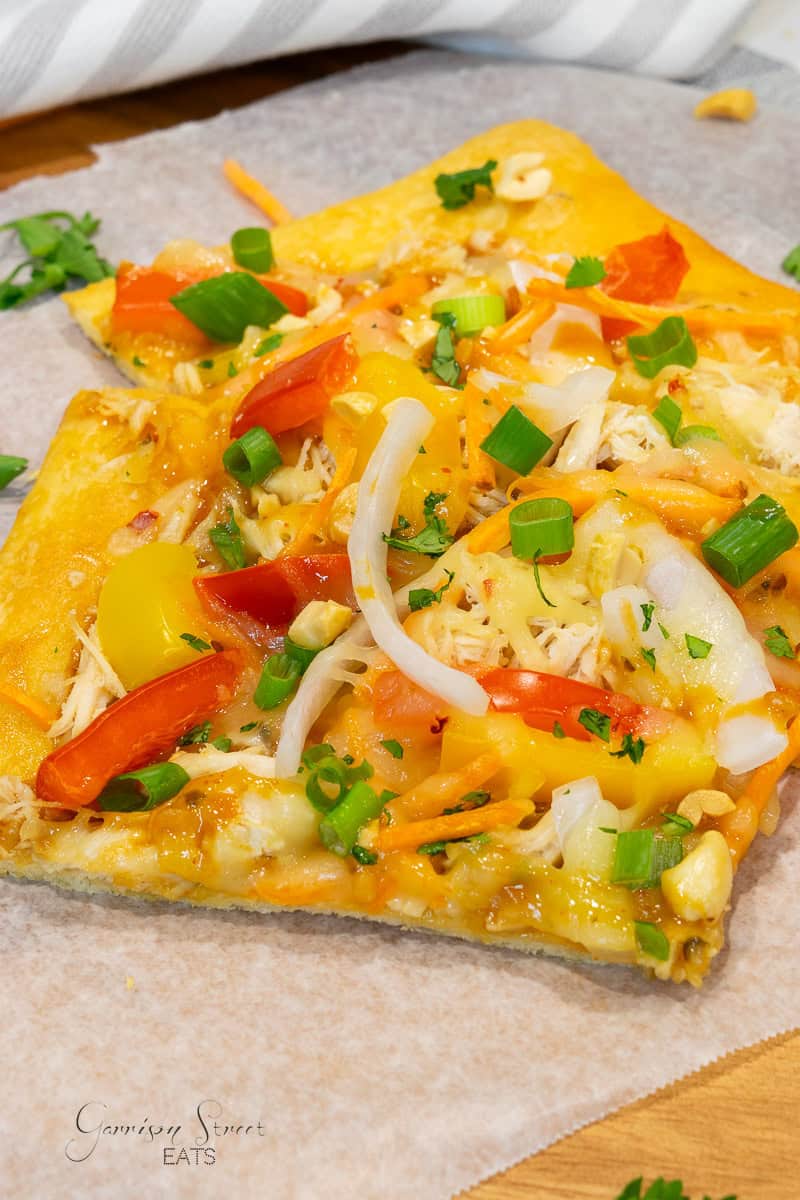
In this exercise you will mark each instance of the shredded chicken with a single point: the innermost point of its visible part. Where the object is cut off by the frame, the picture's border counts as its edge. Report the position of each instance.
(93, 686)
(18, 805)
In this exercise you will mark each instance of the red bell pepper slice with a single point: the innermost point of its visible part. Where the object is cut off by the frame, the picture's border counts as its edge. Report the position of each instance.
(273, 593)
(299, 390)
(650, 271)
(137, 729)
(542, 699)
(142, 304)
(295, 300)
(399, 703)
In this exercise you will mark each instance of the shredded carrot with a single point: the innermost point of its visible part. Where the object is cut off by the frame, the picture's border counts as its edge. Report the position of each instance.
(699, 319)
(256, 192)
(521, 326)
(395, 295)
(439, 790)
(317, 521)
(454, 825)
(684, 507)
(42, 713)
(480, 467)
(741, 826)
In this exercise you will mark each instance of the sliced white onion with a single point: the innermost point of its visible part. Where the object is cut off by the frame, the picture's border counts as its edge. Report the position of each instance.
(209, 761)
(565, 314)
(571, 802)
(378, 495)
(747, 742)
(553, 408)
(522, 272)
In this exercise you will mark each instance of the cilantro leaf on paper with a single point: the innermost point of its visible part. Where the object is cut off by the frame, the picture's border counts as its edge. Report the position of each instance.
(55, 254)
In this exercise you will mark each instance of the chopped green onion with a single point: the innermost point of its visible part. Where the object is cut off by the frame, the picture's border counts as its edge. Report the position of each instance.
(458, 189)
(339, 830)
(269, 343)
(139, 791)
(333, 772)
(640, 857)
(226, 304)
(634, 750)
(697, 647)
(424, 597)
(196, 736)
(252, 249)
(301, 655)
(315, 754)
(647, 612)
(443, 363)
(252, 457)
(675, 825)
(695, 431)
(195, 642)
(394, 747)
(472, 313)
(468, 802)
(222, 743)
(653, 941)
(227, 539)
(669, 416)
(363, 856)
(585, 272)
(558, 731)
(541, 527)
(279, 676)
(249, 727)
(596, 723)
(668, 344)
(516, 442)
(750, 541)
(10, 467)
(777, 642)
(649, 657)
(791, 264)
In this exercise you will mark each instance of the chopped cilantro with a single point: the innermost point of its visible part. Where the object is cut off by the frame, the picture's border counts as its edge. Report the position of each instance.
(595, 722)
(443, 362)
(647, 612)
(585, 272)
(227, 539)
(660, 1189)
(649, 657)
(432, 540)
(138, 362)
(232, 369)
(634, 750)
(664, 631)
(394, 747)
(538, 581)
(195, 642)
(791, 264)
(777, 642)
(364, 856)
(424, 597)
(269, 343)
(675, 825)
(431, 848)
(248, 727)
(471, 800)
(196, 736)
(55, 253)
(697, 647)
(558, 732)
(458, 189)
(206, 363)
(222, 743)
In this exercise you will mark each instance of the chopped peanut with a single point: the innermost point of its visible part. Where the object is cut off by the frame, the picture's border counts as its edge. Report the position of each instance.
(699, 887)
(731, 104)
(522, 177)
(705, 801)
(354, 407)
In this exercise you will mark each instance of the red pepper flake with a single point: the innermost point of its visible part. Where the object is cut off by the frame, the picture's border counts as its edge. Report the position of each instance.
(143, 520)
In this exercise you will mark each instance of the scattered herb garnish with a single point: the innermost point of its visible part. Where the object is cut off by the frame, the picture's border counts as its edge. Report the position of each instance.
(458, 189)
(424, 597)
(630, 748)
(777, 642)
(443, 362)
(558, 732)
(647, 613)
(10, 467)
(471, 800)
(394, 747)
(664, 631)
(675, 825)
(195, 642)
(222, 743)
(198, 735)
(595, 722)
(537, 580)
(660, 1189)
(55, 254)
(585, 272)
(248, 727)
(653, 941)
(649, 657)
(432, 540)
(697, 647)
(269, 343)
(364, 856)
(791, 264)
(138, 362)
(227, 539)
(233, 370)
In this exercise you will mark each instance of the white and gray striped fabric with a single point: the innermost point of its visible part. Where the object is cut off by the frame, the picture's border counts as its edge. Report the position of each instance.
(57, 51)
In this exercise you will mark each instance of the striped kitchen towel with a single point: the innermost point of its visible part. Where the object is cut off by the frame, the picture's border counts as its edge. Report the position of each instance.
(57, 51)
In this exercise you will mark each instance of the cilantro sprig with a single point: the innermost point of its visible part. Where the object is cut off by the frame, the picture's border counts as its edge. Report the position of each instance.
(424, 597)
(443, 362)
(660, 1189)
(59, 248)
(432, 540)
(791, 264)
(585, 272)
(776, 640)
(458, 189)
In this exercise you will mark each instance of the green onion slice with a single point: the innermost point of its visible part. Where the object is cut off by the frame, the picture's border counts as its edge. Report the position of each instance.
(640, 857)
(339, 829)
(669, 416)
(301, 655)
(651, 940)
(750, 541)
(10, 467)
(227, 540)
(472, 313)
(225, 305)
(516, 442)
(279, 677)
(139, 791)
(695, 431)
(541, 527)
(333, 772)
(252, 457)
(668, 344)
(252, 249)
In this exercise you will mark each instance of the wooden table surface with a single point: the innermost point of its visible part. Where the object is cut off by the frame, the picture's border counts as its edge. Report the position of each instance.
(732, 1128)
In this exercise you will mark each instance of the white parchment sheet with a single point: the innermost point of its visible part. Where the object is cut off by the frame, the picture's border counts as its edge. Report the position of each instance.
(356, 1061)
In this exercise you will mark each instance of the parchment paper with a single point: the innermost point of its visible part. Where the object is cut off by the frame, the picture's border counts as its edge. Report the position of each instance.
(367, 1062)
